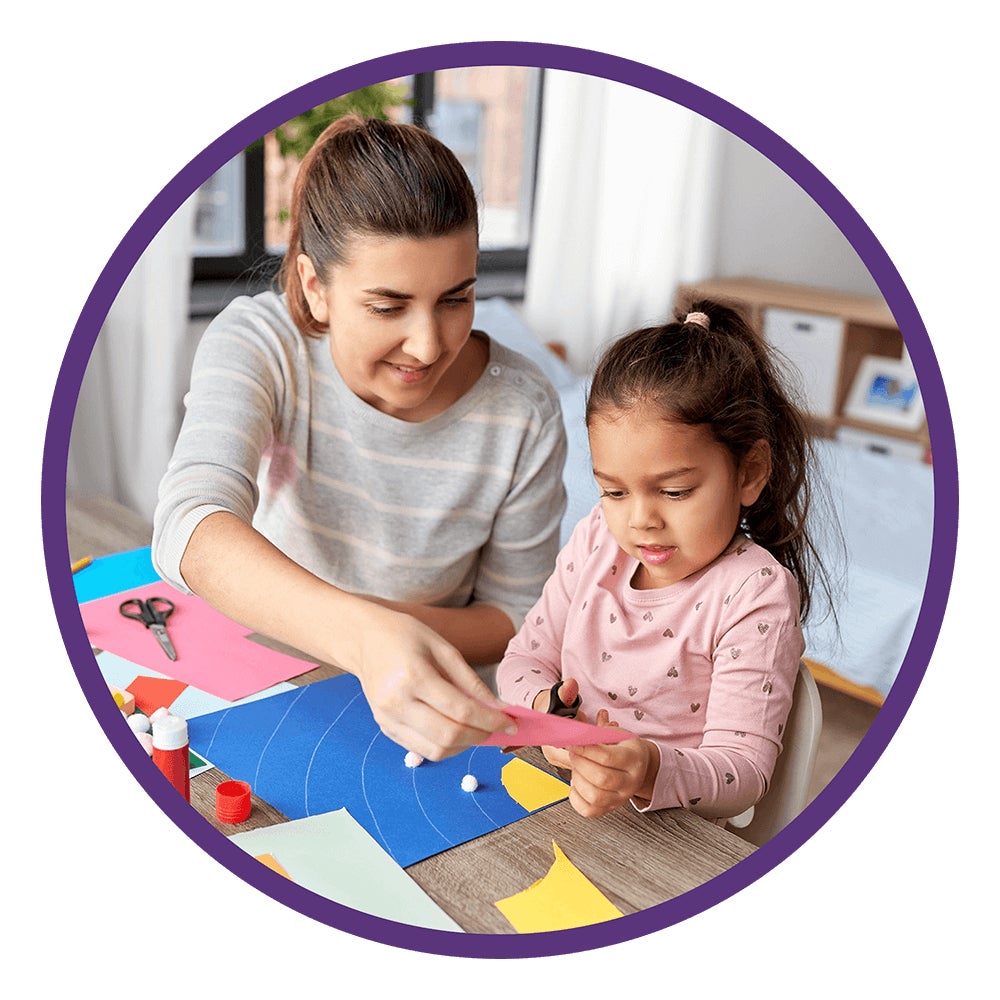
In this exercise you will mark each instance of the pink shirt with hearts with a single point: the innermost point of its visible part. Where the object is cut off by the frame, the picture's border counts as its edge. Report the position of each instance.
(704, 668)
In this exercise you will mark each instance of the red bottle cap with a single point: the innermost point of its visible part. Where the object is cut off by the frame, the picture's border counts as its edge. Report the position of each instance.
(232, 801)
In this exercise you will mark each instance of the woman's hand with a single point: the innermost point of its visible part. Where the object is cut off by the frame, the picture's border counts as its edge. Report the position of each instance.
(423, 694)
(607, 775)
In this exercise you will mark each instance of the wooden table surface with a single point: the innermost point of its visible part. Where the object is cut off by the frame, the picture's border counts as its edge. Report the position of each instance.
(636, 860)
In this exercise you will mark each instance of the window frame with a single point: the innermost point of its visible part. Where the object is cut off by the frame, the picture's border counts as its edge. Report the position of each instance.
(218, 279)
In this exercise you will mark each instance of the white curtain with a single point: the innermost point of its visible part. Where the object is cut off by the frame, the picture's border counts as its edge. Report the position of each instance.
(625, 209)
(130, 404)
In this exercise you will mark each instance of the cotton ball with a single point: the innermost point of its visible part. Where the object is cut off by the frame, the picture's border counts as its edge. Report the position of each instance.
(469, 783)
(146, 739)
(413, 759)
(138, 723)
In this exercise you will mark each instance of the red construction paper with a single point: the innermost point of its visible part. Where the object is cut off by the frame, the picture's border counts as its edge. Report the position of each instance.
(538, 729)
(152, 693)
(213, 652)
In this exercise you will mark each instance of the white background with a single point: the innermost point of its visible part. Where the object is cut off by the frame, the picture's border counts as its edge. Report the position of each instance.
(103, 106)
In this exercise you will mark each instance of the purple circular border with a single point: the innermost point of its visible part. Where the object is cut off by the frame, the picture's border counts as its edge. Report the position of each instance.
(784, 156)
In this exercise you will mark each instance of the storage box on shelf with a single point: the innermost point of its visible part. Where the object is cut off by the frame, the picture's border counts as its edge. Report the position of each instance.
(827, 335)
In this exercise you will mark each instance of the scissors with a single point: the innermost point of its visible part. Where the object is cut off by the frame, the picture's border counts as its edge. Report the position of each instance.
(556, 707)
(153, 613)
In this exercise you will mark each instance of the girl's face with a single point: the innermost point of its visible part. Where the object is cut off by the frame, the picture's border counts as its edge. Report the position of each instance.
(399, 312)
(671, 494)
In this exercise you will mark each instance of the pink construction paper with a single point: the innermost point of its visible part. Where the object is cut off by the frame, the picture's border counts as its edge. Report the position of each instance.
(213, 652)
(538, 729)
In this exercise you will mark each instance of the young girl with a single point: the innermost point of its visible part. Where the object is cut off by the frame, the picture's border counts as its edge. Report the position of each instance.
(674, 611)
(359, 474)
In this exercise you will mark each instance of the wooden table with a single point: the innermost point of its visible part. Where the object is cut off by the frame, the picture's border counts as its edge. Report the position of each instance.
(636, 860)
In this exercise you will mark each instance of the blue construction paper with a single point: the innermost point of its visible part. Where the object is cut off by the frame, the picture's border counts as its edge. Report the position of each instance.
(318, 748)
(115, 574)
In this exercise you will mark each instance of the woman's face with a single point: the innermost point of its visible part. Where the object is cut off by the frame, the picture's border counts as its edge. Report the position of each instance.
(399, 312)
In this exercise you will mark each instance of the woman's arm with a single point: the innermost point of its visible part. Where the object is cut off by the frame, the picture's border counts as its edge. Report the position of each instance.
(480, 632)
(421, 691)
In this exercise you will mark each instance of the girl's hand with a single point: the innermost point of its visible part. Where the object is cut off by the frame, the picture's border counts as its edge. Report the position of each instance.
(423, 694)
(606, 776)
(568, 691)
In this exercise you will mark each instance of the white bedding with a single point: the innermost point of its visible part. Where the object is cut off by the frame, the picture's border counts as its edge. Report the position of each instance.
(884, 505)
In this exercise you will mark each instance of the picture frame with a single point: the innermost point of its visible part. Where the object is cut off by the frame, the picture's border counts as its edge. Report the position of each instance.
(885, 391)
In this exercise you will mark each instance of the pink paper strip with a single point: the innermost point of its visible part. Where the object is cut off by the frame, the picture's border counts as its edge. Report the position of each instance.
(537, 729)
(213, 652)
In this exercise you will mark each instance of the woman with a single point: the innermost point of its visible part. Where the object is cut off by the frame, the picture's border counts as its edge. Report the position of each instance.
(359, 474)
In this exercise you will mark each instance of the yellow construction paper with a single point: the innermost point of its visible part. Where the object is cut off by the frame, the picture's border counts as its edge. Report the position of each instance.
(272, 862)
(561, 899)
(530, 787)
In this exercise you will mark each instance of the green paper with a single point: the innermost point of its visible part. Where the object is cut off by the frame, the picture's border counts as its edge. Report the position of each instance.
(333, 856)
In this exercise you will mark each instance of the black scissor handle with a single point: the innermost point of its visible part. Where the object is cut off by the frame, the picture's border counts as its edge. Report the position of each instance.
(133, 608)
(556, 706)
(160, 607)
(153, 611)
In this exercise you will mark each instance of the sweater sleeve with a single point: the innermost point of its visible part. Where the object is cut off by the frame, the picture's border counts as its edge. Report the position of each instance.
(238, 383)
(521, 550)
(755, 664)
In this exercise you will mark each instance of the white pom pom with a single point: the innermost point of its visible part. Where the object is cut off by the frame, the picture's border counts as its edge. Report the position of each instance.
(146, 739)
(469, 783)
(138, 723)
(413, 759)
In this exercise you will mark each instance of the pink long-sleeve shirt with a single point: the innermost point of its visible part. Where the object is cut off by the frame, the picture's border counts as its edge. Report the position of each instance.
(704, 668)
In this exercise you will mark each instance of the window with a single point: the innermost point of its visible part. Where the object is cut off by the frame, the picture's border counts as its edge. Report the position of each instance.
(488, 115)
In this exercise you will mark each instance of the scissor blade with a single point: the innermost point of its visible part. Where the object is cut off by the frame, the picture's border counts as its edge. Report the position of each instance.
(160, 632)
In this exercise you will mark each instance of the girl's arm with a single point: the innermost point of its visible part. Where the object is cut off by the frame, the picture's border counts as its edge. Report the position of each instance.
(421, 691)
(756, 661)
(755, 666)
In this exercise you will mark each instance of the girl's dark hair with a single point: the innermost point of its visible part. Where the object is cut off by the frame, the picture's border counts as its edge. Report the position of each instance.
(368, 177)
(727, 379)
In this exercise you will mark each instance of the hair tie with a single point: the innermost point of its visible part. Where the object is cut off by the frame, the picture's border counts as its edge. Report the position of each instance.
(698, 319)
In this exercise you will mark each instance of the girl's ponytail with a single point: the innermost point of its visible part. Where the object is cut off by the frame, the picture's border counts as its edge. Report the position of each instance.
(710, 367)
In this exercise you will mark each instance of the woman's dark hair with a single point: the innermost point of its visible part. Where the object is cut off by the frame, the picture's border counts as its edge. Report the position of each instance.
(727, 379)
(368, 177)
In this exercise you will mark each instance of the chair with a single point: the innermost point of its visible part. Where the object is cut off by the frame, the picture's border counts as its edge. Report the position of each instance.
(788, 791)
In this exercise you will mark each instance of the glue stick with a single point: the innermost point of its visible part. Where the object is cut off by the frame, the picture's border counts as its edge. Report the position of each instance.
(170, 751)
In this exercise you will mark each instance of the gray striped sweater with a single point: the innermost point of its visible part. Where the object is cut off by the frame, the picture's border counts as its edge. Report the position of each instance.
(463, 507)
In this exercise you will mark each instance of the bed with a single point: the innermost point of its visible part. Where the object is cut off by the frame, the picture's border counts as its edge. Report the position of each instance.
(884, 505)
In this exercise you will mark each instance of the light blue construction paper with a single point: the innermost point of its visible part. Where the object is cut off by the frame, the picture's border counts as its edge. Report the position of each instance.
(115, 574)
(333, 856)
(193, 701)
(119, 673)
(318, 749)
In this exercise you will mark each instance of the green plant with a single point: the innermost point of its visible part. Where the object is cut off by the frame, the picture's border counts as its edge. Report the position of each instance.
(295, 137)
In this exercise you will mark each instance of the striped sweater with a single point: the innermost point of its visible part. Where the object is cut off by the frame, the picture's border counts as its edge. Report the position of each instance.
(463, 507)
